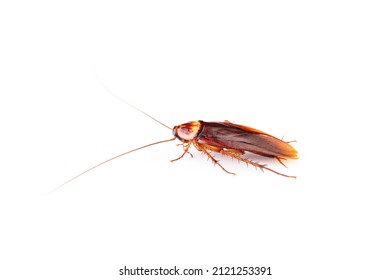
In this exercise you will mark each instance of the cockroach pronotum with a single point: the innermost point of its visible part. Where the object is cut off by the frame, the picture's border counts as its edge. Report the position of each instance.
(225, 138)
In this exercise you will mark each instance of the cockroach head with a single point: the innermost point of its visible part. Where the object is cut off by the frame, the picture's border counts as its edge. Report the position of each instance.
(188, 131)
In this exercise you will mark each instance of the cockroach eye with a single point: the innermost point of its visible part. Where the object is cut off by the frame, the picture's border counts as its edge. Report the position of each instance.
(174, 132)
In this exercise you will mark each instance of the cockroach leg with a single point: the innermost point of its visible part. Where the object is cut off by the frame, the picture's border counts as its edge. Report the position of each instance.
(186, 148)
(261, 166)
(204, 148)
(293, 141)
(280, 161)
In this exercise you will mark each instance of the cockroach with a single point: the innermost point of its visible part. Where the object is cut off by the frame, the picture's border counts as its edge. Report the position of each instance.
(225, 138)
(233, 140)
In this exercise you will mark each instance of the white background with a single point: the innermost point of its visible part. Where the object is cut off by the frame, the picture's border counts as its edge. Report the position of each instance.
(308, 71)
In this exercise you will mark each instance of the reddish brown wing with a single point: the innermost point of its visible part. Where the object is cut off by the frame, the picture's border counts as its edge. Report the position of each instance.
(244, 138)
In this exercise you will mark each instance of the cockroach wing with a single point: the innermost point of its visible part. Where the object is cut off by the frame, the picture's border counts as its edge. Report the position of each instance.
(238, 137)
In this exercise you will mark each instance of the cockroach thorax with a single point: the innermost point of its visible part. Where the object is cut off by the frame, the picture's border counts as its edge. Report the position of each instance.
(188, 131)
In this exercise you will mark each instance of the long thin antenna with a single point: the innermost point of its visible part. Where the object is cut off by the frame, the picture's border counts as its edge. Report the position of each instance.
(110, 159)
(131, 105)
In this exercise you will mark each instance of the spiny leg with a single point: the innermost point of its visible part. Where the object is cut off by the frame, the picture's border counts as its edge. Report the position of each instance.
(280, 161)
(261, 166)
(186, 148)
(203, 148)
